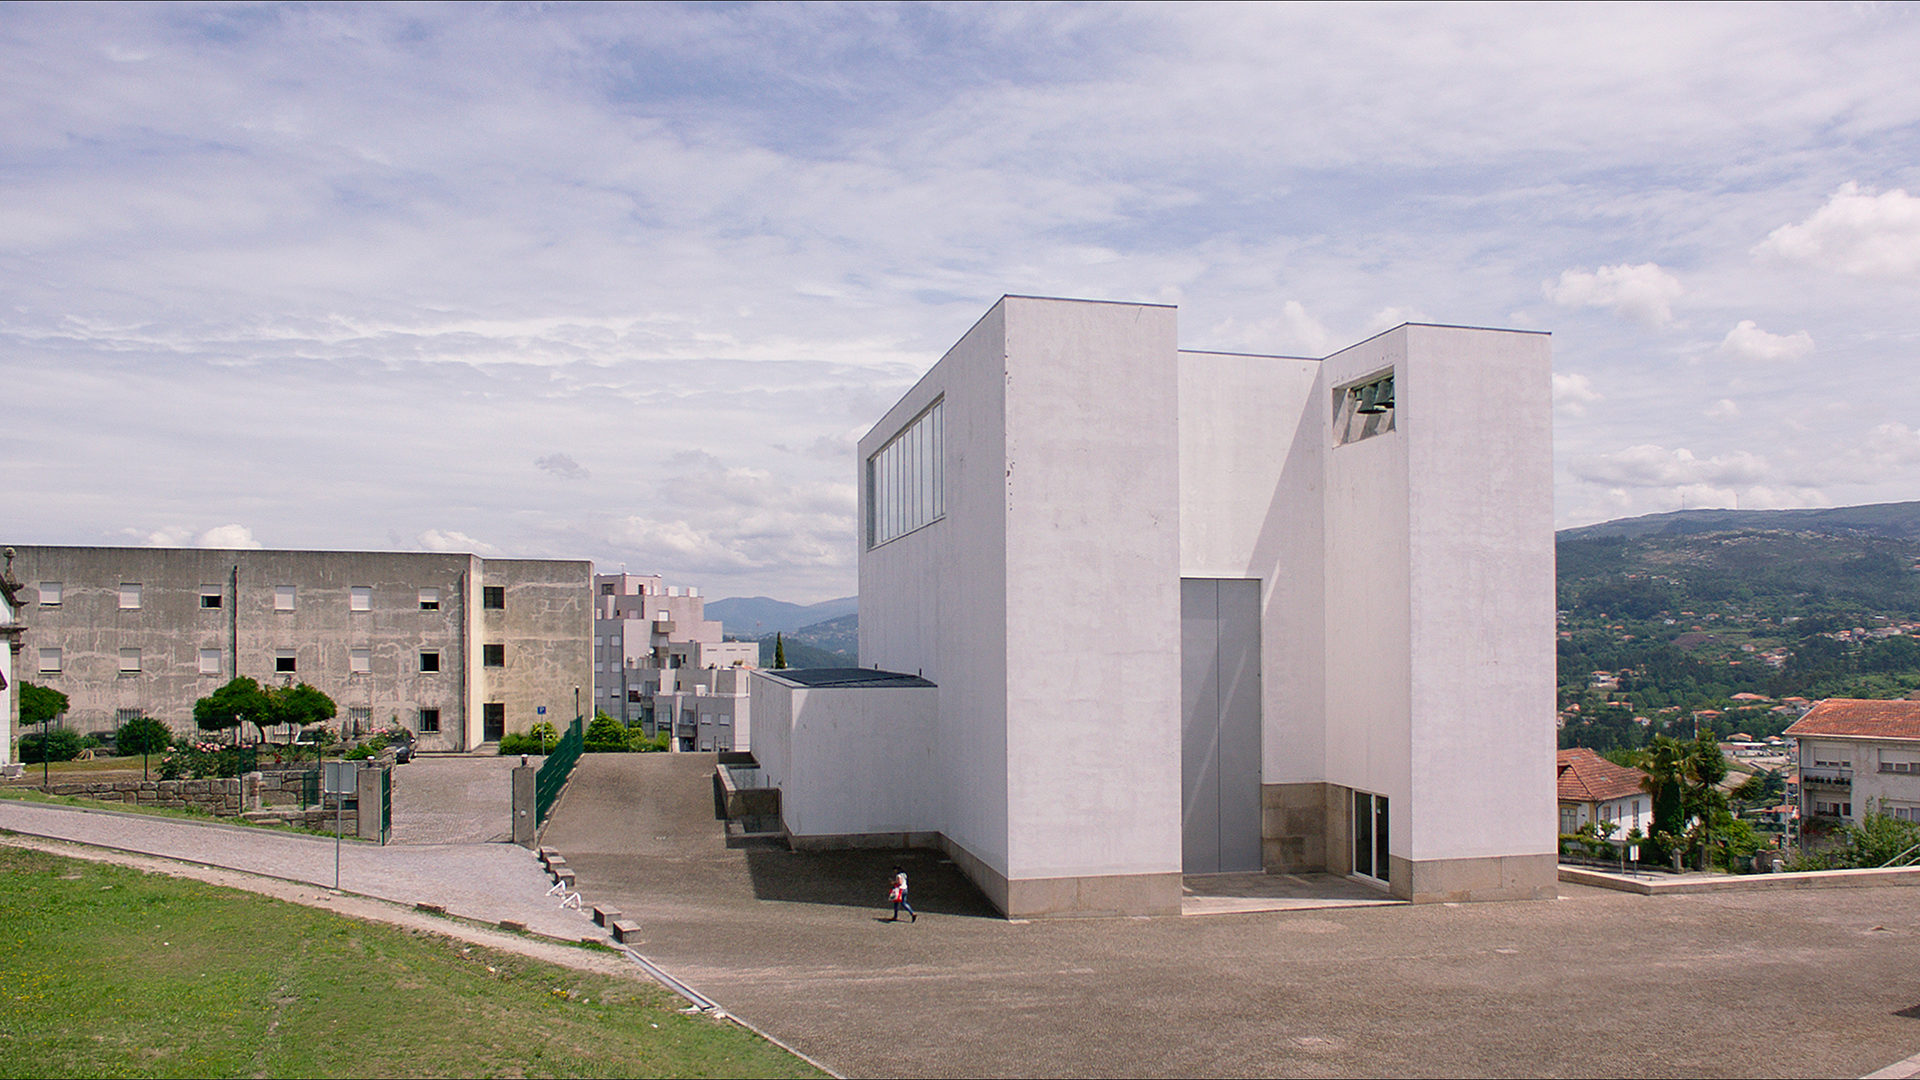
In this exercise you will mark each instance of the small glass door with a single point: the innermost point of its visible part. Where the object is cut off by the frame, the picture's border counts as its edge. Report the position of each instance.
(1370, 835)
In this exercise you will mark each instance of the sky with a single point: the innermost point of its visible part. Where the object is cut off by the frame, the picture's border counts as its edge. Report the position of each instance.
(625, 283)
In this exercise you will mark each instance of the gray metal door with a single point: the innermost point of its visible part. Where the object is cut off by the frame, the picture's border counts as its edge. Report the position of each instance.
(1220, 724)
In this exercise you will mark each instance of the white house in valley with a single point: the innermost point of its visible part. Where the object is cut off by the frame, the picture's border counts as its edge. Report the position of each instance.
(1593, 789)
(1156, 612)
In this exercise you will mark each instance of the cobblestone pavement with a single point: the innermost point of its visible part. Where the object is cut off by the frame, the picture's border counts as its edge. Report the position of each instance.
(486, 882)
(453, 800)
(1598, 983)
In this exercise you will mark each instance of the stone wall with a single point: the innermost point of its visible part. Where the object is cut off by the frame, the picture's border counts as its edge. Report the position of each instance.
(223, 797)
(281, 787)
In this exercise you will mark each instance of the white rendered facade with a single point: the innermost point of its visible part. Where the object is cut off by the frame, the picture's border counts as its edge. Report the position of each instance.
(1373, 595)
(660, 662)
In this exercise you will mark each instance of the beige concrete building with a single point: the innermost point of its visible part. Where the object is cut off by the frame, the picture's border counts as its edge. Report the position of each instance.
(458, 648)
(660, 662)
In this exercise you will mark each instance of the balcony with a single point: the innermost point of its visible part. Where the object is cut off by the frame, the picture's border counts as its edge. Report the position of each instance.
(1826, 776)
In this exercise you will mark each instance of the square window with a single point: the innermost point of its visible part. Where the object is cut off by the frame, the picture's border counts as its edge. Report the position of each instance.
(283, 661)
(429, 599)
(493, 655)
(360, 662)
(1364, 409)
(129, 595)
(210, 596)
(606, 590)
(360, 598)
(429, 661)
(49, 660)
(50, 593)
(209, 661)
(429, 721)
(283, 598)
(129, 661)
(493, 597)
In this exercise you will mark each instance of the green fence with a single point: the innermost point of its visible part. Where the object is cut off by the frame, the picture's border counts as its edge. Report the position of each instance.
(553, 775)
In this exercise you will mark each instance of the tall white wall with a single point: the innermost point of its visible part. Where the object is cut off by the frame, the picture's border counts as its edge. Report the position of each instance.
(1369, 682)
(1092, 541)
(857, 761)
(935, 602)
(1478, 430)
(1252, 447)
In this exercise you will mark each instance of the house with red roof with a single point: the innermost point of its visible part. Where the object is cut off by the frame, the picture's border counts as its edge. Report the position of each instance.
(1857, 756)
(1595, 789)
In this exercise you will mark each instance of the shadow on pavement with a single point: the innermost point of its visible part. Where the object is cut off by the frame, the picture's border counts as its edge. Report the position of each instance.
(861, 879)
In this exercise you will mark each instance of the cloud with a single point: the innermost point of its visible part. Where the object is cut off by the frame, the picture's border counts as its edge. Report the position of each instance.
(1647, 465)
(1856, 232)
(1644, 292)
(231, 537)
(1293, 332)
(1573, 392)
(228, 536)
(1724, 409)
(448, 540)
(562, 466)
(1747, 341)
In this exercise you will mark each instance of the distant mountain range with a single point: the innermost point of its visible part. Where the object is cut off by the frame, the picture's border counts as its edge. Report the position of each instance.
(1847, 562)
(1899, 520)
(752, 617)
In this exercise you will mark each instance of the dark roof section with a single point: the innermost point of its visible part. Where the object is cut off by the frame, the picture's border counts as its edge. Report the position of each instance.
(844, 677)
(1858, 718)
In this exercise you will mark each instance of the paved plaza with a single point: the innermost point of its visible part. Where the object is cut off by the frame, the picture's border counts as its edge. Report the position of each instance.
(454, 799)
(1597, 983)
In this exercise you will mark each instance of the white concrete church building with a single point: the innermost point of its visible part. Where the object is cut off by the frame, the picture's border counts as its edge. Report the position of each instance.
(1158, 612)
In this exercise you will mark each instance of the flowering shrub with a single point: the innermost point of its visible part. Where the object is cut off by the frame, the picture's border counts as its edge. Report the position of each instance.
(192, 759)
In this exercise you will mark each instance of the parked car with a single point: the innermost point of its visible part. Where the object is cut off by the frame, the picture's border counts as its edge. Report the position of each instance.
(401, 743)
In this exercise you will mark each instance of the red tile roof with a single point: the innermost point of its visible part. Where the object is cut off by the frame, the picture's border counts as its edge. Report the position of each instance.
(1585, 776)
(1854, 718)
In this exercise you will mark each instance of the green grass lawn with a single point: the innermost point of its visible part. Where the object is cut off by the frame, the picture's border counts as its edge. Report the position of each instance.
(108, 971)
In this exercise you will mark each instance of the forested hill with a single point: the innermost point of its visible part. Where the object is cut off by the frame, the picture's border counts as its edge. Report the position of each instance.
(1899, 520)
(1687, 609)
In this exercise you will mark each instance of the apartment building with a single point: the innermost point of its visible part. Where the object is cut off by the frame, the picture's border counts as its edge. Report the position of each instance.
(456, 647)
(661, 663)
(1857, 756)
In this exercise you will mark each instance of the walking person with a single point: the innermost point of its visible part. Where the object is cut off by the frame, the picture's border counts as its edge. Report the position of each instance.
(899, 897)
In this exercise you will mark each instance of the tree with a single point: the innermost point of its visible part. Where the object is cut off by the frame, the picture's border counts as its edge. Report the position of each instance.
(142, 735)
(606, 735)
(779, 651)
(40, 704)
(300, 706)
(239, 701)
(1702, 800)
(1664, 762)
